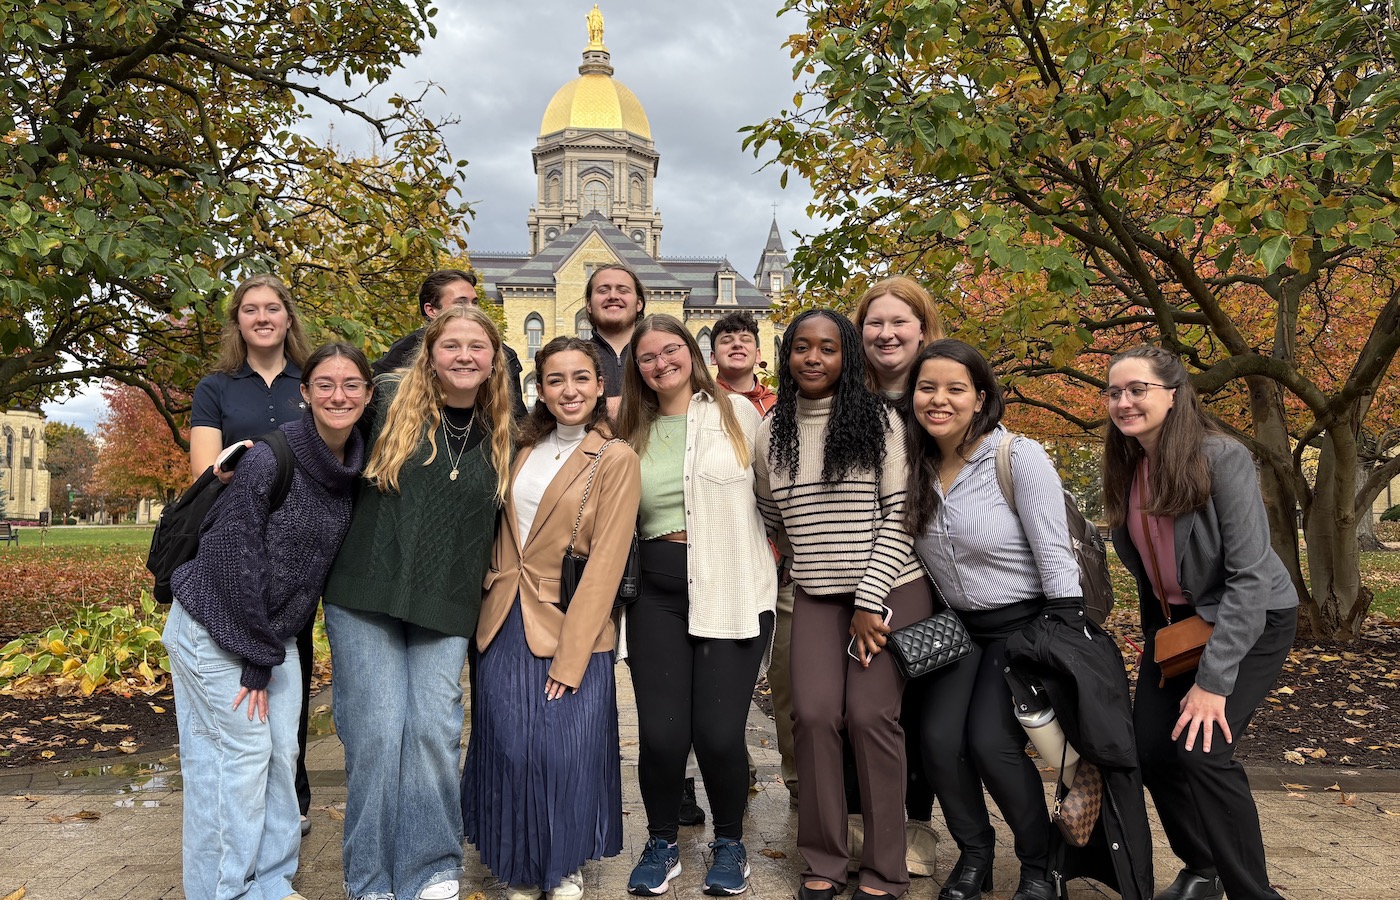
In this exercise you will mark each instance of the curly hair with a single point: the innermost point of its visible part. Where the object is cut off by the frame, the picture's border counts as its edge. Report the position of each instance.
(1180, 476)
(541, 422)
(855, 432)
(233, 350)
(415, 413)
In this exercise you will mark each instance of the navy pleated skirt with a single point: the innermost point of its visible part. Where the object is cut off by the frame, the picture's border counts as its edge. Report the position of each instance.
(542, 786)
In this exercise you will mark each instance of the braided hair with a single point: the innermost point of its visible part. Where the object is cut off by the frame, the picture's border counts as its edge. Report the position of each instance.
(855, 432)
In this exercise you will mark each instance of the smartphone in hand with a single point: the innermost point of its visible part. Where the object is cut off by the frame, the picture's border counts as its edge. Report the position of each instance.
(230, 456)
(851, 649)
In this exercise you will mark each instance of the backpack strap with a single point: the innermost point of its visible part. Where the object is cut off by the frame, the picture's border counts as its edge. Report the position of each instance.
(286, 467)
(1004, 479)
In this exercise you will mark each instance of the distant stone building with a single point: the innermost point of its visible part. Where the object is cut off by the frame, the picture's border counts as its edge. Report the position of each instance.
(24, 472)
(596, 168)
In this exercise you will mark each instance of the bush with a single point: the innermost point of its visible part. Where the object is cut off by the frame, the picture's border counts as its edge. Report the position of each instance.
(1388, 532)
(115, 648)
(1392, 514)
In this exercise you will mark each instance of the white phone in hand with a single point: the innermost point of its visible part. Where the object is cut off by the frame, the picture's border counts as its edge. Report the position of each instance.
(851, 647)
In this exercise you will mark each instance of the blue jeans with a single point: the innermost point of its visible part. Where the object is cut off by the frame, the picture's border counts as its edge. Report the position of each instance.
(242, 827)
(397, 692)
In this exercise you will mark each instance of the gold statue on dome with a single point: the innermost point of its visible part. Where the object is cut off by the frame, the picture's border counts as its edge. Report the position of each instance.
(595, 27)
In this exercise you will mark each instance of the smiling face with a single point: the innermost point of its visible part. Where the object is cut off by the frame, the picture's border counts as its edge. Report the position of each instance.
(613, 301)
(815, 358)
(336, 391)
(945, 400)
(663, 360)
(262, 319)
(455, 293)
(891, 336)
(735, 354)
(570, 387)
(462, 358)
(1142, 419)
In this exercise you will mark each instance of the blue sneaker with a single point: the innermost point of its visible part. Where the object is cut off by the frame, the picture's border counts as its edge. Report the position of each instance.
(729, 873)
(660, 862)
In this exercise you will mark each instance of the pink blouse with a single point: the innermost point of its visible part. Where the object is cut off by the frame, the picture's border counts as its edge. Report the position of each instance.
(1161, 537)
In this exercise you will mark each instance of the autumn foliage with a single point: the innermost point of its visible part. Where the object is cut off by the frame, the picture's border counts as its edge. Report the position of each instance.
(139, 458)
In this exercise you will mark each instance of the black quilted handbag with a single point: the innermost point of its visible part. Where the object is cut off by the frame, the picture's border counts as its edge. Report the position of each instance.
(930, 643)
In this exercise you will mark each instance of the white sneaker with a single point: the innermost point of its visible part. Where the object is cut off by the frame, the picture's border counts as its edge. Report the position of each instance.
(920, 848)
(441, 890)
(571, 888)
(523, 892)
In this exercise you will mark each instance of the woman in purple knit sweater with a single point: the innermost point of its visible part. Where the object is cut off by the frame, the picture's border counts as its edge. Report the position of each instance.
(238, 607)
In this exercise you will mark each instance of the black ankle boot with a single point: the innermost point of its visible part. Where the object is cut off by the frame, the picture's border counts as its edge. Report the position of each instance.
(1035, 889)
(691, 813)
(1192, 886)
(969, 878)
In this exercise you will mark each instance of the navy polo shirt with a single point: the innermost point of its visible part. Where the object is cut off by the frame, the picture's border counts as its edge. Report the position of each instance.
(613, 364)
(244, 406)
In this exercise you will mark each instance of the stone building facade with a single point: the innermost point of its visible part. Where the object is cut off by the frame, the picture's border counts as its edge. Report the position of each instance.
(24, 472)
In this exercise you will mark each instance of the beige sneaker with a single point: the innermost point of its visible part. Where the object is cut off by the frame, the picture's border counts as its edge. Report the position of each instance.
(855, 841)
(442, 890)
(920, 848)
(523, 892)
(571, 888)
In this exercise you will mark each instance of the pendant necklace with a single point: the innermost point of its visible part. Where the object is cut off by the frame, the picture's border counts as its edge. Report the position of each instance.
(455, 463)
(558, 447)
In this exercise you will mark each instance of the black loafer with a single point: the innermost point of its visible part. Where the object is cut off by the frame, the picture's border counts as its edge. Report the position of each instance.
(691, 813)
(806, 893)
(1035, 889)
(968, 879)
(1190, 886)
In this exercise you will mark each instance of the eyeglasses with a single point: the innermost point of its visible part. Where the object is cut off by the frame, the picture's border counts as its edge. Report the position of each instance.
(352, 388)
(668, 353)
(1135, 391)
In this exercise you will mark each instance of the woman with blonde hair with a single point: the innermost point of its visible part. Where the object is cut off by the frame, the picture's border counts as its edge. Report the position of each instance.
(256, 388)
(698, 636)
(402, 604)
(896, 318)
(542, 789)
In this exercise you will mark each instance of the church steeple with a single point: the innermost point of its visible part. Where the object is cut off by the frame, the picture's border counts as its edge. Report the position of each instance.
(774, 272)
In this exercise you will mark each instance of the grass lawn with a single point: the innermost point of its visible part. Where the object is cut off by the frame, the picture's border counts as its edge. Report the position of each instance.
(31, 539)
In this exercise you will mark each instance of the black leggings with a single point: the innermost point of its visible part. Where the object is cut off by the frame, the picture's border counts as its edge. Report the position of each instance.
(690, 692)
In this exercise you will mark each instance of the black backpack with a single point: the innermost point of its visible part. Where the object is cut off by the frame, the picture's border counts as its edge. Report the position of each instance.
(176, 538)
(1090, 552)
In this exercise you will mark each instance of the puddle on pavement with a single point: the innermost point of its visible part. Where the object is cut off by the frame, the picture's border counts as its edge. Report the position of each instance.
(132, 804)
(125, 778)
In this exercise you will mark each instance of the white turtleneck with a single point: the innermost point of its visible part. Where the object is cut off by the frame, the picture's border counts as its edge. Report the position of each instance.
(544, 462)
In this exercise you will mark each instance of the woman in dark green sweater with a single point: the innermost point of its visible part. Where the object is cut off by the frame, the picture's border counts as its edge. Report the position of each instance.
(403, 599)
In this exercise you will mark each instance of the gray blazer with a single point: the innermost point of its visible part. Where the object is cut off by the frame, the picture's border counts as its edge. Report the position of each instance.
(1224, 562)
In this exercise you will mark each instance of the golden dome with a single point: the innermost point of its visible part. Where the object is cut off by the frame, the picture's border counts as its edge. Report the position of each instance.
(595, 100)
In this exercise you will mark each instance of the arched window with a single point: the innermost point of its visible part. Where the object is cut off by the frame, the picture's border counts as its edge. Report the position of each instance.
(531, 392)
(551, 191)
(534, 335)
(706, 345)
(582, 327)
(638, 195)
(595, 197)
(9, 459)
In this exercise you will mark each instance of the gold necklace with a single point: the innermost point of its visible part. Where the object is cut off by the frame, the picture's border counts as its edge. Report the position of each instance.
(455, 463)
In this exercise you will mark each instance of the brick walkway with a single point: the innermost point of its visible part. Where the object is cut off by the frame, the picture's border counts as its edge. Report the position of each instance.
(114, 833)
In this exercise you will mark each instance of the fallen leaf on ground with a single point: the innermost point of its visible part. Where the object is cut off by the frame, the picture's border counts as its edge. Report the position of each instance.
(17, 894)
(773, 854)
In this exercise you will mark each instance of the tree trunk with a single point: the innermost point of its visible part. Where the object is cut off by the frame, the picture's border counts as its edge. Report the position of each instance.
(1334, 560)
(1279, 485)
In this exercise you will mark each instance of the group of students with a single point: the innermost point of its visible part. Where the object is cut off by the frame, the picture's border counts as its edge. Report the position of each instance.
(792, 531)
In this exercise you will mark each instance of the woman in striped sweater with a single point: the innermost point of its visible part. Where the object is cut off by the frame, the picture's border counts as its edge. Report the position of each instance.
(830, 475)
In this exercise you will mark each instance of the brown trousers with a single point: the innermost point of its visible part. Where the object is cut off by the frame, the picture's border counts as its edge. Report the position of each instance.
(831, 691)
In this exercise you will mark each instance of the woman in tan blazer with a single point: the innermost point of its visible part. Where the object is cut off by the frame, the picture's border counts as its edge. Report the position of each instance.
(541, 791)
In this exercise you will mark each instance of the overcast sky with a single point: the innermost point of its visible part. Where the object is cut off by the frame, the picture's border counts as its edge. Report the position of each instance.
(701, 70)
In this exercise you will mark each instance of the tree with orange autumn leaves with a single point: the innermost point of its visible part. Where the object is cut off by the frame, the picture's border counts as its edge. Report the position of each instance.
(138, 460)
(1215, 176)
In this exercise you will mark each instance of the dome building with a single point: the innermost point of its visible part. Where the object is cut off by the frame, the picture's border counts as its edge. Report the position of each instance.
(596, 166)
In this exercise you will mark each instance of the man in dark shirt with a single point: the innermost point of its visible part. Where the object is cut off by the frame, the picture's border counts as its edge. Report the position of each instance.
(615, 302)
(440, 290)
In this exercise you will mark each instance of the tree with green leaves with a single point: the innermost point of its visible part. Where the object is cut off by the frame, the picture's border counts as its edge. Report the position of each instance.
(1217, 176)
(154, 152)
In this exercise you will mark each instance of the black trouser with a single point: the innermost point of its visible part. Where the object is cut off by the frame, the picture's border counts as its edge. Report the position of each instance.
(306, 649)
(690, 692)
(971, 737)
(1203, 799)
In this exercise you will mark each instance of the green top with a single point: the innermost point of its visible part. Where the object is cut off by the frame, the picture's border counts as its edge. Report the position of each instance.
(421, 554)
(663, 479)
